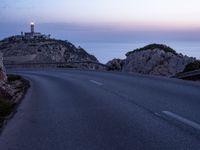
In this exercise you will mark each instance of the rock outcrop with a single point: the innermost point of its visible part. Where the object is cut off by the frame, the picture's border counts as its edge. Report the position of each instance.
(5, 89)
(3, 76)
(154, 59)
(19, 50)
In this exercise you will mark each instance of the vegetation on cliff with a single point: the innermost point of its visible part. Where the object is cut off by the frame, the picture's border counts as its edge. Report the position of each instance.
(165, 48)
(192, 66)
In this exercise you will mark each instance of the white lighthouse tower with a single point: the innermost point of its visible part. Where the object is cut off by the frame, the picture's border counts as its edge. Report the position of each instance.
(32, 27)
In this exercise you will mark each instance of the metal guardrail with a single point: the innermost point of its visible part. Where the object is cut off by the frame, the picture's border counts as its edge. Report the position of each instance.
(190, 74)
(52, 64)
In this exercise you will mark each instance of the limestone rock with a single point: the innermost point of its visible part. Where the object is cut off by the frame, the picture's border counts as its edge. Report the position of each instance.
(156, 60)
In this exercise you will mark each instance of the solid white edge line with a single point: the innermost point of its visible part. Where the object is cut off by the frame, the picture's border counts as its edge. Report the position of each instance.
(182, 119)
(95, 82)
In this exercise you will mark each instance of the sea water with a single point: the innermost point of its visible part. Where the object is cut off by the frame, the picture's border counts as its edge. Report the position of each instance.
(107, 51)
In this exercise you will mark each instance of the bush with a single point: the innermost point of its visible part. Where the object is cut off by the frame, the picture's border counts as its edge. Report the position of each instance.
(5, 107)
(12, 78)
(192, 66)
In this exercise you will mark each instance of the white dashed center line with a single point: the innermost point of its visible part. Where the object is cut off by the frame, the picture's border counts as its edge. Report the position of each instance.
(96, 82)
(182, 119)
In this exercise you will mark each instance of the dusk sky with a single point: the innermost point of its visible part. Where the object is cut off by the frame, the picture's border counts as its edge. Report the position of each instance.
(104, 20)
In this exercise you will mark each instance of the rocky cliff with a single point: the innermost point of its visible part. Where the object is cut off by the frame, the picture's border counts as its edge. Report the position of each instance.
(3, 76)
(19, 50)
(155, 59)
(5, 90)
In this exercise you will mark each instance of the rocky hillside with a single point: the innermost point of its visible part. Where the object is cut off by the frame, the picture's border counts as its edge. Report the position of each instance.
(155, 59)
(19, 50)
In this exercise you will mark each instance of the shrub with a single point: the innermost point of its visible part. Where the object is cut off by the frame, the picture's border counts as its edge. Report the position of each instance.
(192, 66)
(5, 107)
(12, 78)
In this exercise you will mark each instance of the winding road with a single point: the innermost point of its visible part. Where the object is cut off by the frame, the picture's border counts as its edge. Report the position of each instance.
(89, 110)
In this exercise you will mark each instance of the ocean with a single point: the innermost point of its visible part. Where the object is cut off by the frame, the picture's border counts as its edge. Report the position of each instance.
(107, 51)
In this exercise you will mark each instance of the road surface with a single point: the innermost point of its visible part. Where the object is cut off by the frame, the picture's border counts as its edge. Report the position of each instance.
(89, 110)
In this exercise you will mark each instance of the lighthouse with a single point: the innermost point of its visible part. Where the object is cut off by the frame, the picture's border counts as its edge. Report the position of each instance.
(32, 27)
(33, 34)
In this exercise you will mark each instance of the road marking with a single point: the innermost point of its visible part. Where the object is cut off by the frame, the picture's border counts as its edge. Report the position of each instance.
(157, 114)
(95, 82)
(182, 119)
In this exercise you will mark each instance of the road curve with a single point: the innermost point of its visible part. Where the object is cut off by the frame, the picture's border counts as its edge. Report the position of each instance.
(89, 110)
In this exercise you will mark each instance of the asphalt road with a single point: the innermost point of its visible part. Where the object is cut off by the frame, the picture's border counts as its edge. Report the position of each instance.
(88, 110)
